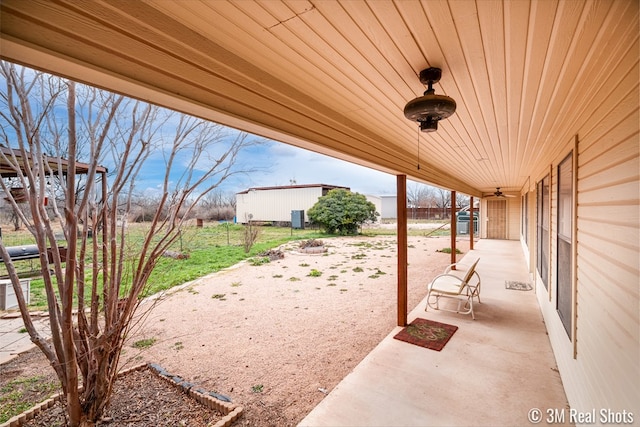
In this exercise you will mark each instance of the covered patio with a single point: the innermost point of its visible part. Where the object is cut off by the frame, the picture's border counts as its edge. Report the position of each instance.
(492, 372)
(546, 115)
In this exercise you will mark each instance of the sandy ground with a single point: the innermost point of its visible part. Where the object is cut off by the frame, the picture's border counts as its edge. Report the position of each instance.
(275, 338)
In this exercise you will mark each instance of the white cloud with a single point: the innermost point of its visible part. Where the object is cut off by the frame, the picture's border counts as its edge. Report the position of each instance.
(273, 163)
(288, 163)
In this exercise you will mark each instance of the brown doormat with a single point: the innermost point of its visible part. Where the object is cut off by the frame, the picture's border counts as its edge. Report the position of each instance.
(427, 333)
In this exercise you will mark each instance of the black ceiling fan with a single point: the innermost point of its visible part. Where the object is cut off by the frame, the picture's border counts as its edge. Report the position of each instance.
(500, 194)
(429, 108)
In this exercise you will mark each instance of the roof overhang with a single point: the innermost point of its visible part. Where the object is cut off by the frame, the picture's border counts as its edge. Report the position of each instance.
(334, 76)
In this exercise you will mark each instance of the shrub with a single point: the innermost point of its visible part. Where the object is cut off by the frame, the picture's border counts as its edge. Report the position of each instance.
(342, 211)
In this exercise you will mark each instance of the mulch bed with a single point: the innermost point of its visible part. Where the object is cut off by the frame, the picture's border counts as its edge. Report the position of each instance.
(143, 397)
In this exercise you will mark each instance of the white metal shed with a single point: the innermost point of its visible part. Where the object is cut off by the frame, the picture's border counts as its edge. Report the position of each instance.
(274, 204)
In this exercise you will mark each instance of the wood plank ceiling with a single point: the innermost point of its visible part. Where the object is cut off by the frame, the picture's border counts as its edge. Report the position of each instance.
(334, 76)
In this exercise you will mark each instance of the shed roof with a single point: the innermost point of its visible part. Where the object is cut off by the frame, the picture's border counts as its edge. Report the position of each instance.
(58, 165)
(289, 187)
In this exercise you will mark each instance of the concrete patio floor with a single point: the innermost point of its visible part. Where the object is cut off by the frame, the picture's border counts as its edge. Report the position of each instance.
(495, 371)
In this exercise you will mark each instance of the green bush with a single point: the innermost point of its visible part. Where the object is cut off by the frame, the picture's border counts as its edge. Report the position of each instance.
(342, 211)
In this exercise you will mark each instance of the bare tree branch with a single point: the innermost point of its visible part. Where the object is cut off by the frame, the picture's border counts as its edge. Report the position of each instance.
(94, 290)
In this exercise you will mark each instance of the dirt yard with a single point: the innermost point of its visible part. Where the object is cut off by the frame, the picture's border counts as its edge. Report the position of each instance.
(277, 337)
(274, 338)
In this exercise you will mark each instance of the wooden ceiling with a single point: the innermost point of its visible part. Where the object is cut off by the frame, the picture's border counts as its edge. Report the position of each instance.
(334, 76)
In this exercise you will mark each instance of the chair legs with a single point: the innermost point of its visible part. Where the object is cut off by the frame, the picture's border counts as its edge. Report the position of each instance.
(465, 306)
(450, 286)
(475, 289)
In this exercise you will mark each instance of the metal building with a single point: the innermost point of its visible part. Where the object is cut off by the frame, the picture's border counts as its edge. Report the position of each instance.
(274, 204)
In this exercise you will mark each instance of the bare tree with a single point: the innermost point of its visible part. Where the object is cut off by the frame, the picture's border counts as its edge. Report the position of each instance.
(105, 273)
(217, 205)
(462, 200)
(143, 207)
(415, 193)
(11, 216)
(442, 198)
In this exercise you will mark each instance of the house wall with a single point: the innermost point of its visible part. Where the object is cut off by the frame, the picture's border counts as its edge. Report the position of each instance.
(513, 217)
(599, 362)
(275, 204)
(528, 247)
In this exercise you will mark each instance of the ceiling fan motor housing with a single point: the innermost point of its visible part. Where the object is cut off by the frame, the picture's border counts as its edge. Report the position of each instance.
(430, 108)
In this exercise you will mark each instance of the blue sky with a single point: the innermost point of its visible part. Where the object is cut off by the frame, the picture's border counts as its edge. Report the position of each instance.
(272, 163)
(281, 163)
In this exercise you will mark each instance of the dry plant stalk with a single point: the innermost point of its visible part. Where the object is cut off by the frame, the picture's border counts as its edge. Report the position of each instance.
(93, 292)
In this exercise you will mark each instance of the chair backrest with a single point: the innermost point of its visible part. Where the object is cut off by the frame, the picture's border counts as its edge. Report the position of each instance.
(467, 276)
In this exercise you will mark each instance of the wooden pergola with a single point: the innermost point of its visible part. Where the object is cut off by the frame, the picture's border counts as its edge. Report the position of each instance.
(57, 165)
(22, 161)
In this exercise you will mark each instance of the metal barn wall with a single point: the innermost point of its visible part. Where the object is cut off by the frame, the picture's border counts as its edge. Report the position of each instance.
(389, 208)
(377, 201)
(598, 361)
(275, 204)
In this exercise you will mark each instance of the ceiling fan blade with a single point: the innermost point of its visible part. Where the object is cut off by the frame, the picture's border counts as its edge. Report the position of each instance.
(500, 194)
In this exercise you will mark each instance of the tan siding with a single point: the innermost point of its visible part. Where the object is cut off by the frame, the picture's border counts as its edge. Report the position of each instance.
(607, 328)
(618, 235)
(612, 188)
(513, 217)
(594, 160)
(625, 308)
(553, 229)
(605, 372)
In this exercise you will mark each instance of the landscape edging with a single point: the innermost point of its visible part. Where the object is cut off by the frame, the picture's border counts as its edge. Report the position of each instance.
(230, 410)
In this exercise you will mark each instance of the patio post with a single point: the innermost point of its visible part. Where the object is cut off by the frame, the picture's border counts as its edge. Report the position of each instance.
(454, 228)
(401, 183)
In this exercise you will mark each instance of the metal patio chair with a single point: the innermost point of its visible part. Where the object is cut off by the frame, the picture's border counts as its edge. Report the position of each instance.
(458, 287)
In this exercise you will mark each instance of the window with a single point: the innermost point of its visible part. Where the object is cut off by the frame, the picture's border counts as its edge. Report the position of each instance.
(564, 300)
(542, 225)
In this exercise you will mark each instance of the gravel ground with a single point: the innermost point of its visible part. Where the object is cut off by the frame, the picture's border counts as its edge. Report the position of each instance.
(274, 338)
